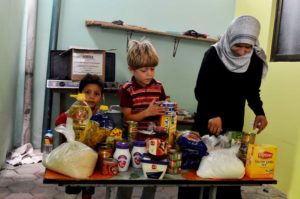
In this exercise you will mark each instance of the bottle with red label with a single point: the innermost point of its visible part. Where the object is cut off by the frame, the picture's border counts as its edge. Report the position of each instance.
(122, 155)
(139, 148)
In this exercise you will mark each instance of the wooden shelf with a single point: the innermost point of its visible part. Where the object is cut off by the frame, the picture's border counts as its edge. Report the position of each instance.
(130, 29)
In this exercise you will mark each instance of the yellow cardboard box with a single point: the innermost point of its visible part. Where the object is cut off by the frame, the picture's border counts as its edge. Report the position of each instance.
(260, 161)
(169, 121)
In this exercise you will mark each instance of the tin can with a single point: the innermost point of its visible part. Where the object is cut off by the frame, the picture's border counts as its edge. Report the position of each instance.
(109, 167)
(132, 129)
(247, 138)
(174, 163)
(104, 151)
(169, 105)
(174, 154)
(174, 171)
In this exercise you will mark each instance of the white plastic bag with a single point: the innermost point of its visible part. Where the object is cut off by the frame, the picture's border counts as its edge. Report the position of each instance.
(222, 164)
(71, 158)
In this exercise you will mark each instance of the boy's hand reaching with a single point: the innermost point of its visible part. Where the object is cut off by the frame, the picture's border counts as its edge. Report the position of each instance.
(154, 109)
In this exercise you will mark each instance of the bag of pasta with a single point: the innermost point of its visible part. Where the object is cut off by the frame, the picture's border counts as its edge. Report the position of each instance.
(71, 158)
(93, 134)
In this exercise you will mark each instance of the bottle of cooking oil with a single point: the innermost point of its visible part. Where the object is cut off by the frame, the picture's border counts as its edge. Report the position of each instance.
(81, 113)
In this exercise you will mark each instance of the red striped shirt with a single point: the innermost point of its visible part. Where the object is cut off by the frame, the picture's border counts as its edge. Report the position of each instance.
(138, 98)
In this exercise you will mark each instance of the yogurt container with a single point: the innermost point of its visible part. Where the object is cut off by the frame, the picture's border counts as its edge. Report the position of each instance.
(154, 169)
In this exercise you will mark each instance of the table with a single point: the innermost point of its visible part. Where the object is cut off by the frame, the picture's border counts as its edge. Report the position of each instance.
(134, 177)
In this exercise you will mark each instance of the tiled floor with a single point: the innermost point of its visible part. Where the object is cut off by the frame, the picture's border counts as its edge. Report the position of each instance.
(26, 182)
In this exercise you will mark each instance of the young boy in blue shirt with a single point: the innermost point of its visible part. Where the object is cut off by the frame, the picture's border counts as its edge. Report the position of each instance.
(92, 86)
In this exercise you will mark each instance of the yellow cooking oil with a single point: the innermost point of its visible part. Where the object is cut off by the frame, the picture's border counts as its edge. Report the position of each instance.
(81, 113)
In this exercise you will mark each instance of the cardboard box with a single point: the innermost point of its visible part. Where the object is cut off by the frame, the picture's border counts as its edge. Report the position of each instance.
(60, 65)
(261, 161)
(85, 61)
(169, 121)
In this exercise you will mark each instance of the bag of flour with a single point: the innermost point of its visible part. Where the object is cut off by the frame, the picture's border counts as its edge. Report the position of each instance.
(71, 158)
(222, 164)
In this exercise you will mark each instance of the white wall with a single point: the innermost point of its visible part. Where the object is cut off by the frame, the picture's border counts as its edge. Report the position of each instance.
(11, 15)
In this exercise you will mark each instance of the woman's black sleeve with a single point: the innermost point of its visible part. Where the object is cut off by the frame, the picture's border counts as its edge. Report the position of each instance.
(253, 94)
(209, 84)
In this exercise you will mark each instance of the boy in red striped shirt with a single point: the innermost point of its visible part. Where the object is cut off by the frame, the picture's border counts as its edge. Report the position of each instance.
(139, 97)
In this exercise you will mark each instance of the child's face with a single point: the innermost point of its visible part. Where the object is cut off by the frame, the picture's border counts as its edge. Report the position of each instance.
(143, 75)
(93, 94)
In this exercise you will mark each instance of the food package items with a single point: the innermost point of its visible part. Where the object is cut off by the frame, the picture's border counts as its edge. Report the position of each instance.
(192, 140)
(113, 136)
(221, 164)
(93, 134)
(71, 158)
(156, 147)
(261, 161)
(154, 169)
(169, 121)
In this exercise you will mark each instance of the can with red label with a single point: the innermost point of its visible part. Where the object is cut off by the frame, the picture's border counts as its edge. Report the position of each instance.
(104, 152)
(109, 167)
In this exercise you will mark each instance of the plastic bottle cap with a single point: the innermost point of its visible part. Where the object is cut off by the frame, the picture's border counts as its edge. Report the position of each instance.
(103, 108)
(139, 143)
(79, 96)
(122, 145)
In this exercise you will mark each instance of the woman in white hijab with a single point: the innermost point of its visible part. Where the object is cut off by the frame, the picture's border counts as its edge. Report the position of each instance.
(231, 74)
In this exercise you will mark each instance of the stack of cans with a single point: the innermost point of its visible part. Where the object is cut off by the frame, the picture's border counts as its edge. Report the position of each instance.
(174, 166)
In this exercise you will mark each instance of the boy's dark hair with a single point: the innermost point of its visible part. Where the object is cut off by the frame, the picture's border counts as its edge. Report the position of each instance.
(91, 79)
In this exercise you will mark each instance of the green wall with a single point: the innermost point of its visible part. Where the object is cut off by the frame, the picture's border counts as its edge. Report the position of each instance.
(281, 97)
(11, 20)
(177, 74)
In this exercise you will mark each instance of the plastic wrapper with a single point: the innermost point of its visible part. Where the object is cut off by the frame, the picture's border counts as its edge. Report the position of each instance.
(93, 134)
(71, 158)
(191, 158)
(114, 135)
(221, 164)
(191, 139)
(80, 112)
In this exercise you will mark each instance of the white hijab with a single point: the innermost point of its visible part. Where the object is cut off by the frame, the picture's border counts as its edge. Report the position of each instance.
(243, 29)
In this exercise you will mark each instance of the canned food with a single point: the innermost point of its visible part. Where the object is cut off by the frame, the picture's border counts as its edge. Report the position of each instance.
(174, 155)
(170, 105)
(174, 171)
(132, 129)
(174, 163)
(247, 138)
(109, 167)
(104, 151)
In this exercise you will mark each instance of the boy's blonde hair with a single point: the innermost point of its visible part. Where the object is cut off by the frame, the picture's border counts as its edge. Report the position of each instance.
(141, 54)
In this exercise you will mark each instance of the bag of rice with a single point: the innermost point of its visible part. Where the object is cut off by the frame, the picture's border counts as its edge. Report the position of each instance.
(71, 158)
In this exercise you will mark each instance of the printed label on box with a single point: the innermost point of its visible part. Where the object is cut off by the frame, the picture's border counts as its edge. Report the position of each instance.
(84, 63)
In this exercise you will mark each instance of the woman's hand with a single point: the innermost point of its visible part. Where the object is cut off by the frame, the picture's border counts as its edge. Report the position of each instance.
(215, 125)
(260, 123)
